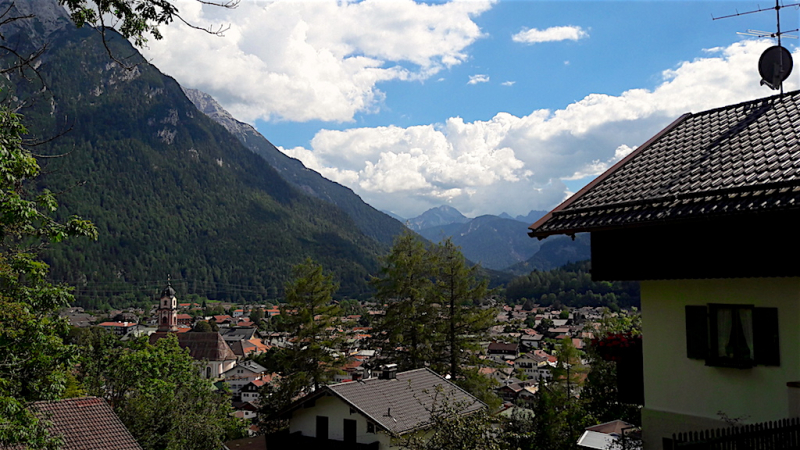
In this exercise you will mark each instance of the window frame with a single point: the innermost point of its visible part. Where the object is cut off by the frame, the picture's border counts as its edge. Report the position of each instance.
(714, 358)
(702, 335)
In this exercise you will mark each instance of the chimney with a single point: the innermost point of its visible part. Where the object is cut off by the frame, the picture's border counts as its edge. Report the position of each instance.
(388, 372)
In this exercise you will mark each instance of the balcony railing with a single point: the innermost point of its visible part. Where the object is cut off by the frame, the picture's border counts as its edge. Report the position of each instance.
(294, 441)
(780, 435)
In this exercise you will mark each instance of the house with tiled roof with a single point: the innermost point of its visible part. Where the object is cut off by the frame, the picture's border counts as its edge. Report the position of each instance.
(705, 215)
(372, 413)
(86, 423)
(239, 375)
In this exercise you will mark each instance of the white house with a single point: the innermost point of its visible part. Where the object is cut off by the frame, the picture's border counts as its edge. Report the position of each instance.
(371, 412)
(239, 375)
(705, 215)
(250, 391)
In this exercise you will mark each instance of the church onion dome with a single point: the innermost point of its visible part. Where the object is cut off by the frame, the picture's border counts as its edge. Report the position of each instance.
(168, 291)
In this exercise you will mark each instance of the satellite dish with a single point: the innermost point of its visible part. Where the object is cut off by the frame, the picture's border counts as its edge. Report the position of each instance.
(774, 66)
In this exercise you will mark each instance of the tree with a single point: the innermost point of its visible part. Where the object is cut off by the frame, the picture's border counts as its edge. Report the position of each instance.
(35, 359)
(308, 314)
(202, 326)
(133, 21)
(405, 284)
(458, 289)
(600, 393)
(158, 393)
(544, 325)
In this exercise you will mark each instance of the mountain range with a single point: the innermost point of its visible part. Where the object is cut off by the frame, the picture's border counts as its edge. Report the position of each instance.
(499, 242)
(172, 192)
(179, 188)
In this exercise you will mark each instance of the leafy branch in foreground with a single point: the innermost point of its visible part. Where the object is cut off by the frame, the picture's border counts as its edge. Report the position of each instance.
(34, 361)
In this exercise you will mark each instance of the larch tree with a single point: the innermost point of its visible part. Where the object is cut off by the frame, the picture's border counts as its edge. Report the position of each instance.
(309, 315)
(405, 284)
(459, 290)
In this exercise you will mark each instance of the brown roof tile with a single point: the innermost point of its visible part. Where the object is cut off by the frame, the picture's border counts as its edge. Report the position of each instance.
(202, 345)
(86, 423)
(734, 160)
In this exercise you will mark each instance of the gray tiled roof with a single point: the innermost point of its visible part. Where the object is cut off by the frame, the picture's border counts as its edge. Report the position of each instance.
(738, 159)
(403, 404)
(86, 423)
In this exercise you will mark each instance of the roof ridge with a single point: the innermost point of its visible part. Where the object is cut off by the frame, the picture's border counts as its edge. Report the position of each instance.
(747, 102)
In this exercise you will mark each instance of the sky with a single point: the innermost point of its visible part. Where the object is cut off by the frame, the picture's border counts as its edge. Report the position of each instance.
(485, 106)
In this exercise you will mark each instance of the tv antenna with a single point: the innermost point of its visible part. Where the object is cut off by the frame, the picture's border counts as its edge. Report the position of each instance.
(775, 63)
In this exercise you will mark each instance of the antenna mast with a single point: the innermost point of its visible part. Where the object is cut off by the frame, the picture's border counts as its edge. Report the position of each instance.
(774, 56)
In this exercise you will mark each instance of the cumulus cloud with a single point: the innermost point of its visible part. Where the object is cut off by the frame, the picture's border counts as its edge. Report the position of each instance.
(508, 83)
(515, 164)
(318, 60)
(478, 78)
(552, 34)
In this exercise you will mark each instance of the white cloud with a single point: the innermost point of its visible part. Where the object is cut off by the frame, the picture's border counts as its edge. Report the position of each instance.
(552, 34)
(516, 164)
(318, 60)
(508, 83)
(478, 78)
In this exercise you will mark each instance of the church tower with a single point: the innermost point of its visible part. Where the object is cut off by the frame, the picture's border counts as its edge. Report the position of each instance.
(168, 309)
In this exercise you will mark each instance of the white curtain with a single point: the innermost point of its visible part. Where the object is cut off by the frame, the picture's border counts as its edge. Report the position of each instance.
(746, 317)
(724, 327)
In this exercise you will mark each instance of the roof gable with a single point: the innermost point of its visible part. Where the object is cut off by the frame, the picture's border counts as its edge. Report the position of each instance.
(738, 159)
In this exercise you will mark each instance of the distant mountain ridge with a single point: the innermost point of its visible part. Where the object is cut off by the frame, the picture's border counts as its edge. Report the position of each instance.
(370, 221)
(436, 217)
(497, 242)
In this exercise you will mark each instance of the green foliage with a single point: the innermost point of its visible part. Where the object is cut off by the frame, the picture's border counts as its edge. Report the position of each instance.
(136, 20)
(459, 292)
(257, 315)
(202, 326)
(600, 391)
(623, 322)
(158, 393)
(433, 317)
(35, 359)
(405, 284)
(309, 314)
(572, 285)
(170, 190)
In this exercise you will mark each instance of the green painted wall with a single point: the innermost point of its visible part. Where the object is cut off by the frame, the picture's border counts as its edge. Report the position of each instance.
(675, 384)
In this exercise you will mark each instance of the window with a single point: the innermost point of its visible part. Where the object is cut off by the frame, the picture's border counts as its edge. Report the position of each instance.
(370, 427)
(728, 335)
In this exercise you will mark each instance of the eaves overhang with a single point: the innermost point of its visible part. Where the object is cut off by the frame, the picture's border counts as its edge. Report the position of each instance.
(537, 231)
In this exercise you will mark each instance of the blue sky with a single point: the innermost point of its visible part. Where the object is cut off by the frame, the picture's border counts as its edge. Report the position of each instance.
(377, 95)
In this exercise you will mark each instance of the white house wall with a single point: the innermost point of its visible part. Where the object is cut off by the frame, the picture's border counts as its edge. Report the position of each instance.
(305, 421)
(683, 394)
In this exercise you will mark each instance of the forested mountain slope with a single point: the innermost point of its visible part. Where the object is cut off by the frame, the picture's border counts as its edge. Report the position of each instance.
(171, 191)
(370, 221)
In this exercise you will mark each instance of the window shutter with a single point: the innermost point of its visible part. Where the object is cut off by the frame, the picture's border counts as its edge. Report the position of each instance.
(765, 336)
(696, 332)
